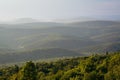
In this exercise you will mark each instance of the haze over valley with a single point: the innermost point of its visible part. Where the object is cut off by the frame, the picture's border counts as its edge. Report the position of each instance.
(59, 39)
(33, 40)
(43, 29)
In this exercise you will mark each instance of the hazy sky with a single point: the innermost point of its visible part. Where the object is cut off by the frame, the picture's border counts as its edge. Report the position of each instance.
(51, 9)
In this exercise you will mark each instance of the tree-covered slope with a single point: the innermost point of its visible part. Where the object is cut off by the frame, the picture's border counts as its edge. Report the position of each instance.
(94, 67)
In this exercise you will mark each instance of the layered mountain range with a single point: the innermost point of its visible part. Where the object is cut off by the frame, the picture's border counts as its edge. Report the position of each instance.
(38, 40)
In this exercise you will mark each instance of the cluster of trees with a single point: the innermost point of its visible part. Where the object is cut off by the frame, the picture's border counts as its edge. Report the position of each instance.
(95, 67)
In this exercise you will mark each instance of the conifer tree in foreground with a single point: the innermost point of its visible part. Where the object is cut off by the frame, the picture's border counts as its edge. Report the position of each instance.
(29, 71)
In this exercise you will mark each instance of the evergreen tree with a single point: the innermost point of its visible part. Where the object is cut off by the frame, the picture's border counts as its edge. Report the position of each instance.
(29, 71)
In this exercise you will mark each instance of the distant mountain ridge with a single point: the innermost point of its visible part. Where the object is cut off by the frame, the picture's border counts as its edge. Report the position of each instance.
(31, 20)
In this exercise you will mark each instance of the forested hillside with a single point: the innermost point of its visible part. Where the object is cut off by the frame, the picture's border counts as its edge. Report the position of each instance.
(94, 67)
(40, 40)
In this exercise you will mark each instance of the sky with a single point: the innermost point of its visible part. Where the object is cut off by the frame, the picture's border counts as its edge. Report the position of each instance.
(59, 9)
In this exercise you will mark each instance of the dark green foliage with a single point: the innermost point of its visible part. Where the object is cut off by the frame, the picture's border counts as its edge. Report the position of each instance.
(29, 71)
(90, 76)
(95, 67)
